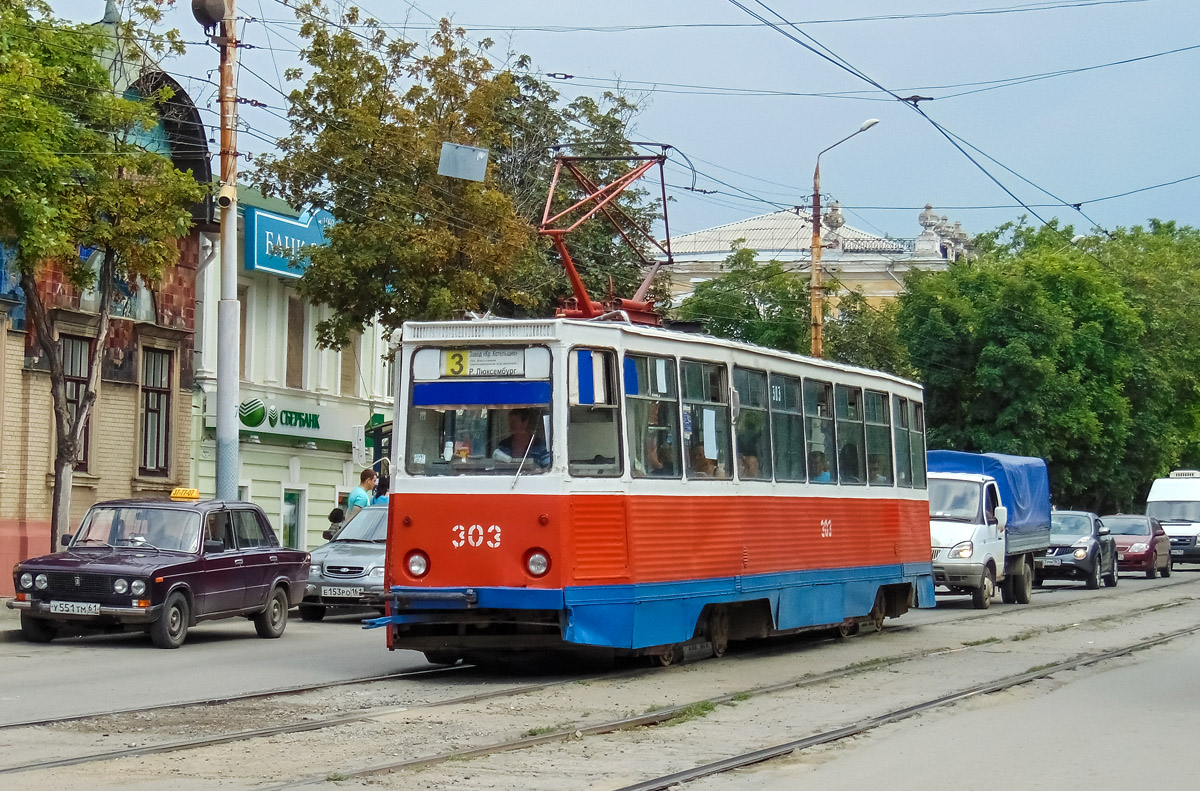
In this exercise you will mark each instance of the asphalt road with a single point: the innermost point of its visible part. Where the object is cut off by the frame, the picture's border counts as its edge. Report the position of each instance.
(220, 658)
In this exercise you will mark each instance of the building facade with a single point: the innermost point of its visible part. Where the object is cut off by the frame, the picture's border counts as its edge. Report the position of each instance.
(859, 261)
(303, 409)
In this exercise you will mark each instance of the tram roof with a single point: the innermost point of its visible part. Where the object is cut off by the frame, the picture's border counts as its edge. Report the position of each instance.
(525, 330)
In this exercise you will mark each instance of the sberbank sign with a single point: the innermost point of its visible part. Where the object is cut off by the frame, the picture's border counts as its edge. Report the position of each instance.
(254, 413)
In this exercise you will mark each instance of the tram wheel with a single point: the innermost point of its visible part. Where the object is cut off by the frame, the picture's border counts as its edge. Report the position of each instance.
(878, 612)
(718, 630)
(847, 628)
(672, 656)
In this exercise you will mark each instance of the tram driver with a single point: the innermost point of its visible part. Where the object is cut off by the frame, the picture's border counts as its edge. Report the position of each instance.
(523, 441)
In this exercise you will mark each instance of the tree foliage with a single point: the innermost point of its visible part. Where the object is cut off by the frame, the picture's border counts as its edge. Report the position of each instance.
(1028, 350)
(73, 175)
(366, 136)
(763, 304)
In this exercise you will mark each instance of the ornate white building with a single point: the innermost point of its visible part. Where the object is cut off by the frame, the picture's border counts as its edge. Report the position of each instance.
(857, 260)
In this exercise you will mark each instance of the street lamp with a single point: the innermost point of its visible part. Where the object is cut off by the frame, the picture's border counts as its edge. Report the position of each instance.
(818, 322)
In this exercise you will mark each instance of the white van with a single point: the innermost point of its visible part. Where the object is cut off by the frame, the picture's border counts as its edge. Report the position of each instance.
(1175, 503)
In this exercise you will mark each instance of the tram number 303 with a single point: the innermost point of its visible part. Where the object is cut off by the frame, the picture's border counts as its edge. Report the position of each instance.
(826, 528)
(475, 536)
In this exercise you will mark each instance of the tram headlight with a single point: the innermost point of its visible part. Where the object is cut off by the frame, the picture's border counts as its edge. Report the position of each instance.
(26, 580)
(418, 564)
(137, 587)
(537, 562)
(962, 550)
(41, 582)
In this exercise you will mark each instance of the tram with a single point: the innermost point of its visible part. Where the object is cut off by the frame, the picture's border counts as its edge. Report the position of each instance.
(566, 483)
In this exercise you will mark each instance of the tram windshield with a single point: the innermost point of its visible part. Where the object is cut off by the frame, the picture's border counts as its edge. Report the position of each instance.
(496, 439)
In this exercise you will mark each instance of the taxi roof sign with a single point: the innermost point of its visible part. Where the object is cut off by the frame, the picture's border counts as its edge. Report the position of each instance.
(185, 494)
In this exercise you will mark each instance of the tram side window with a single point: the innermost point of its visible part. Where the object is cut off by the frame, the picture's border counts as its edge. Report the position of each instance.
(916, 434)
(851, 442)
(787, 428)
(753, 427)
(904, 466)
(818, 425)
(705, 419)
(652, 416)
(879, 440)
(593, 428)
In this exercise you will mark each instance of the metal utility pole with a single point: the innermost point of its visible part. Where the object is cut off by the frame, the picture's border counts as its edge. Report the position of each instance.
(228, 310)
(816, 292)
(214, 14)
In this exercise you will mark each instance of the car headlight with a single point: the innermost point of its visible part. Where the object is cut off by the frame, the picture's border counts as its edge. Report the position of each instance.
(41, 582)
(314, 570)
(1138, 548)
(1080, 554)
(963, 549)
(120, 586)
(1081, 542)
(376, 573)
(138, 587)
(538, 562)
(26, 580)
(418, 564)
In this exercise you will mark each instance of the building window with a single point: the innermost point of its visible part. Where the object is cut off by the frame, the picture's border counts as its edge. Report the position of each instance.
(294, 374)
(156, 412)
(77, 364)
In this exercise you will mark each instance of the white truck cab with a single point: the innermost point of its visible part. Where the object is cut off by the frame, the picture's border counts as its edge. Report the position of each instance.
(1175, 502)
(989, 522)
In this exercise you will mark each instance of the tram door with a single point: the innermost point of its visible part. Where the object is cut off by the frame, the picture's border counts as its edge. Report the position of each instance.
(598, 538)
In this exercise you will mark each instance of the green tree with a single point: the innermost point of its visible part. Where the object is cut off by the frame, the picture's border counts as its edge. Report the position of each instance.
(763, 304)
(1028, 351)
(866, 335)
(73, 175)
(366, 136)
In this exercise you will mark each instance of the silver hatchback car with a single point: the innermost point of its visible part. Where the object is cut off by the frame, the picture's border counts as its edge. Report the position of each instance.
(348, 571)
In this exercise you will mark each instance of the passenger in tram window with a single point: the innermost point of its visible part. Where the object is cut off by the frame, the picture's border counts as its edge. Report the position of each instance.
(661, 458)
(747, 465)
(699, 464)
(523, 440)
(818, 467)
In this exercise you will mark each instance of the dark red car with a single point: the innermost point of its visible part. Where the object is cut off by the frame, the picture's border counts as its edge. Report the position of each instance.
(1142, 544)
(162, 566)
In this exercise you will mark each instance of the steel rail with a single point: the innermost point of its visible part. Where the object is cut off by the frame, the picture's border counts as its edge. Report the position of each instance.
(987, 688)
(270, 693)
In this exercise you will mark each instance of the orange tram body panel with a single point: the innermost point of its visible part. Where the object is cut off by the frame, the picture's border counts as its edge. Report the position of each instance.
(635, 489)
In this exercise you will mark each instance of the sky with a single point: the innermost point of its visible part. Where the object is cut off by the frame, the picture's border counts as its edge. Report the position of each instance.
(759, 106)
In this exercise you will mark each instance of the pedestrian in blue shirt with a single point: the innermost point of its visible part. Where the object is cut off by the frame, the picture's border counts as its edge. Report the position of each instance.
(360, 496)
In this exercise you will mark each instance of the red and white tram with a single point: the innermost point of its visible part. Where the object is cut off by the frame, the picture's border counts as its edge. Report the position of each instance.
(596, 483)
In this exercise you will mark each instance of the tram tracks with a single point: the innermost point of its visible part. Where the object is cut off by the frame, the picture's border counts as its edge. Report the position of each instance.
(862, 726)
(659, 716)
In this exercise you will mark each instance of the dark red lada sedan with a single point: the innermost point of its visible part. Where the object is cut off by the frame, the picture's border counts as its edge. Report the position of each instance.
(162, 566)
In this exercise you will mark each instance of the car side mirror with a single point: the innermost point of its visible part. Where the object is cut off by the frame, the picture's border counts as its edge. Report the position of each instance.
(1158, 531)
(214, 547)
(327, 535)
(1103, 531)
(1001, 517)
(65, 539)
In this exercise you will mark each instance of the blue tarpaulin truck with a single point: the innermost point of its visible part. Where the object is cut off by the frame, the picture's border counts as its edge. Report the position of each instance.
(989, 521)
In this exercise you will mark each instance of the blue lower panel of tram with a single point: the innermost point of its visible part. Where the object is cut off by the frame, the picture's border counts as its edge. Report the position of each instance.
(650, 614)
